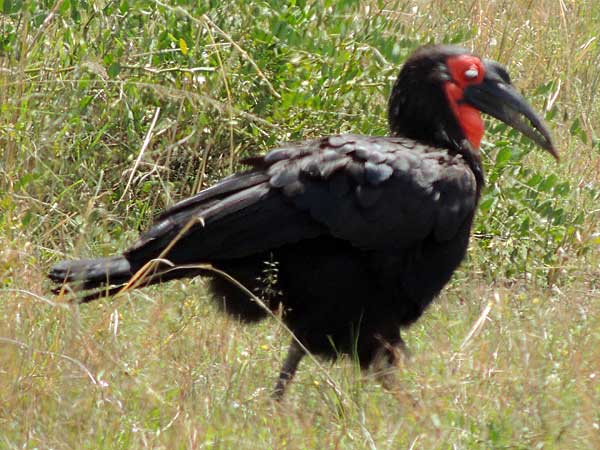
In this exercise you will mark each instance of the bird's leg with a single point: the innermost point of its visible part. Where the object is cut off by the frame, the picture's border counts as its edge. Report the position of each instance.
(402, 347)
(288, 369)
(386, 361)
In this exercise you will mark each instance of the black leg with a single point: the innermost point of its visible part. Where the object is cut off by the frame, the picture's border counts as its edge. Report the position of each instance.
(288, 370)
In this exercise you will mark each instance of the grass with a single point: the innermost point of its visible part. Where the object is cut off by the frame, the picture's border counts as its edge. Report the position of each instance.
(111, 110)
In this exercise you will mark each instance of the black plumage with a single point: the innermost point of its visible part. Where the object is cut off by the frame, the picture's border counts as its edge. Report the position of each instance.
(352, 235)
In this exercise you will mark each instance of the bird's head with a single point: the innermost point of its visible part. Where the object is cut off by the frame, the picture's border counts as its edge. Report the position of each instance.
(441, 91)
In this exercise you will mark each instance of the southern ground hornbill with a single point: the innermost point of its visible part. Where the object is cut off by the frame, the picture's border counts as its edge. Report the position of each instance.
(351, 236)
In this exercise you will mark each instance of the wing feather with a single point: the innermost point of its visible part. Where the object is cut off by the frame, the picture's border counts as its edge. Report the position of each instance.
(380, 192)
(375, 192)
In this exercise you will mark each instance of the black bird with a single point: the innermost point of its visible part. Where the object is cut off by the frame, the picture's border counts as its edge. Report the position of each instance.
(351, 236)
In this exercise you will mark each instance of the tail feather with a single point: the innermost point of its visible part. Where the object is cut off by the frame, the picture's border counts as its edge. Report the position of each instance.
(92, 273)
(105, 277)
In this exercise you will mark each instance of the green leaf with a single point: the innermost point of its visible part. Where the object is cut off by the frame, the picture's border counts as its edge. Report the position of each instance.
(562, 189)
(575, 127)
(85, 101)
(26, 219)
(65, 6)
(544, 88)
(124, 7)
(525, 224)
(114, 69)
(486, 203)
(551, 114)
(24, 181)
(503, 156)
(548, 183)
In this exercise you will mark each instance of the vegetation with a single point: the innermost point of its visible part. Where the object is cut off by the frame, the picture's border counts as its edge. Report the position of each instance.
(111, 110)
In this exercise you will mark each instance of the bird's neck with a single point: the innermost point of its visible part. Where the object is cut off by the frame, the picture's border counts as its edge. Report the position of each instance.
(473, 159)
(424, 116)
(423, 119)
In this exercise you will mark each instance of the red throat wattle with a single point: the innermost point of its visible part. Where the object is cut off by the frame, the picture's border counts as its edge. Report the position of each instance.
(465, 70)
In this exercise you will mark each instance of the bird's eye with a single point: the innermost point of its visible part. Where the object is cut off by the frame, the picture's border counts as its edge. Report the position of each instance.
(471, 73)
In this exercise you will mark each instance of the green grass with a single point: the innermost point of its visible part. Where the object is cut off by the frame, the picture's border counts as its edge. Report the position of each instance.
(111, 110)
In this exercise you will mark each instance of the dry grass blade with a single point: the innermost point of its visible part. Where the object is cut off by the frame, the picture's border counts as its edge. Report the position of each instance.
(476, 328)
(141, 153)
(79, 364)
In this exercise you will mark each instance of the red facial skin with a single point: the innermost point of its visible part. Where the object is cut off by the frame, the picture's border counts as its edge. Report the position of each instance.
(468, 117)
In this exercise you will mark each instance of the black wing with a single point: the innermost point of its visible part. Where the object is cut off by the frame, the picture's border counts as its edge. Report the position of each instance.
(375, 192)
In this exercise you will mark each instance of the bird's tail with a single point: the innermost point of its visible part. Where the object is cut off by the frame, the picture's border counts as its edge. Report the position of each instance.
(92, 274)
(102, 277)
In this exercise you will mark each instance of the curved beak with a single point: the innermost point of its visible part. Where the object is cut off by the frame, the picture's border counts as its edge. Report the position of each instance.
(496, 96)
